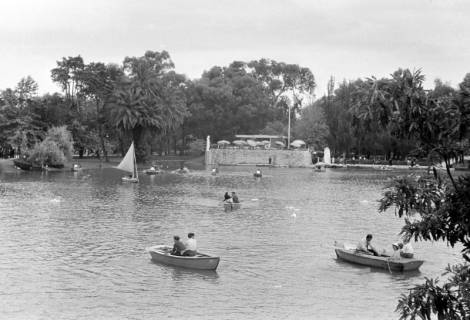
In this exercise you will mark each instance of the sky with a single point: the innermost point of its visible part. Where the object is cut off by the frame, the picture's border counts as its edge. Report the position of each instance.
(346, 39)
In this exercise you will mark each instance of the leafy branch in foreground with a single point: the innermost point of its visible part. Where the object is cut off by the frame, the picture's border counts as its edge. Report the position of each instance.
(433, 207)
(451, 301)
(434, 210)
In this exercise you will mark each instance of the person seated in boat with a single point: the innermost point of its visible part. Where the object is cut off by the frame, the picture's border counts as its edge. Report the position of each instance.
(258, 172)
(235, 198)
(191, 246)
(227, 197)
(406, 249)
(365, 246)
(178, 246)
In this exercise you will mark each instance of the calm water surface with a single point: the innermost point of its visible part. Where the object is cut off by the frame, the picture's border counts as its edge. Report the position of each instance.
(73, 246)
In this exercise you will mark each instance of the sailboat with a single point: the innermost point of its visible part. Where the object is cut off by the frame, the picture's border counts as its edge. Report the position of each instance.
(129, 164)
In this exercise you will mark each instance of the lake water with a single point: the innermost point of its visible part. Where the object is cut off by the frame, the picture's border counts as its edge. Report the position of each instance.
(73, 246)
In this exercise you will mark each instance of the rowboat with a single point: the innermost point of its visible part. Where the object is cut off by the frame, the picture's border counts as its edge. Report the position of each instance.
(152, 171)
(201, 261)
(76, 168)
(129, 164)
(230, 206)
(384, 261)
(183, 170)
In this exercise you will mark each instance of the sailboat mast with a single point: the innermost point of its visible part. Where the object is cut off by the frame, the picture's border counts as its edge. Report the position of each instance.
(135, 167)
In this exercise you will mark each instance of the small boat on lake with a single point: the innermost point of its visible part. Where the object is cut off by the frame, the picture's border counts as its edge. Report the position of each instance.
(384, 261)
(153, 171)
(129, 164)
(76, 167)
(258, 174)
(182, 170)
(230, 206)
(200, 261)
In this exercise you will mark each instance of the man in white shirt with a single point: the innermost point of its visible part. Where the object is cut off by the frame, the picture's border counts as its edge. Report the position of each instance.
(191, 246)
(365, 246)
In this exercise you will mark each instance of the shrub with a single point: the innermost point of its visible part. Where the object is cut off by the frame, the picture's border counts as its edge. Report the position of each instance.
(62, 138)
(47, 152)
(197, 146)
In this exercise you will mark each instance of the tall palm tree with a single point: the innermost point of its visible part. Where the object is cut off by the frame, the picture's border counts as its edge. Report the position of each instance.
(130, 113)
(150, 99)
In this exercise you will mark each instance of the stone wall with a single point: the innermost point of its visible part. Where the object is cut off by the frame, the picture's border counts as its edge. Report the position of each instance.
(290, 158)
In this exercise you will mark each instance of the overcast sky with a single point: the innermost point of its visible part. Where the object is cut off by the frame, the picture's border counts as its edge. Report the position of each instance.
(346, 39)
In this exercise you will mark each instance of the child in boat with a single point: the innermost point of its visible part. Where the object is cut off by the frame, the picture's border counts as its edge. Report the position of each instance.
(178, 246)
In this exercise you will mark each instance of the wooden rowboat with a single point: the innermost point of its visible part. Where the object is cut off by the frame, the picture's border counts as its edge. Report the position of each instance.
(201, 261)
(230, 206)
(384, 262)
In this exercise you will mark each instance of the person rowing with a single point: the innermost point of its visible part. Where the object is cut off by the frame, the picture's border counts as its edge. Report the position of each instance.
(227, 197)
(365, 246)
(235, 198)
(178, 247)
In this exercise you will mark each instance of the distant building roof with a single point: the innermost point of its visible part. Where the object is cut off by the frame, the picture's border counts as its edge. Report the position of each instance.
(258, 136)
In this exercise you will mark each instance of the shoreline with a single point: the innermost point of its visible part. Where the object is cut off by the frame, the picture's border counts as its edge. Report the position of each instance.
(174, 162)
(170, 162)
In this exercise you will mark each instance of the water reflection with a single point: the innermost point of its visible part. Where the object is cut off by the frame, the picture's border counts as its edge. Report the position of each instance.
(179, 274)
(397, 275)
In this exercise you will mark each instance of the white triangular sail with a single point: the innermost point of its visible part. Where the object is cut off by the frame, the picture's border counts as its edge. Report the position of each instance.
(128, 162)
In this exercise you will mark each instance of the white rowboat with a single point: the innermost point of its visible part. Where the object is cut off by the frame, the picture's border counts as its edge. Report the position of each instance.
(200, 261)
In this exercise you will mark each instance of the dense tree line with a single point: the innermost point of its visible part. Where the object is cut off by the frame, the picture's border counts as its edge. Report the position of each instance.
(105, 106)
(366, 116)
